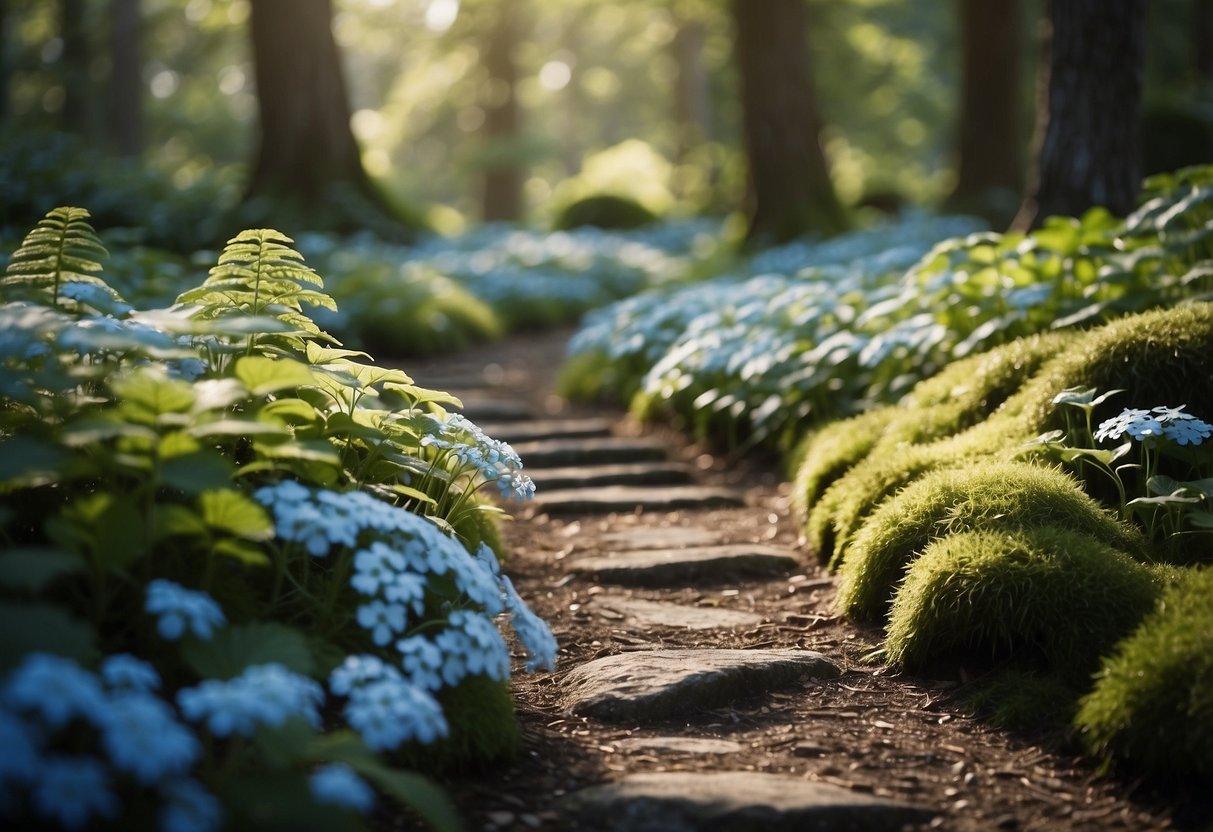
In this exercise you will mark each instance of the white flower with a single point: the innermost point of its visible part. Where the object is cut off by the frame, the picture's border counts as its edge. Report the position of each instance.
(189, 808)
(336, 784)
(383, 620)
(125, 672)
(56, 688)
(181, 610)
(1126, 420)
(143, 737)
(71, 791)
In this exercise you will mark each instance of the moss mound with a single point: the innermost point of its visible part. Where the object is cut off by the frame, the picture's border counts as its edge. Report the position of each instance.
(1048, 594)
(991, 495)
(825, 455)
(604, 211)
(484, 729)
(1151, 710)
(1025, 700)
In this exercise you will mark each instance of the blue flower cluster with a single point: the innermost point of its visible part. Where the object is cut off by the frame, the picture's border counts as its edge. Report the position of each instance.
(1160, 422)
(180, 610)
(264, 694)
(494, 461)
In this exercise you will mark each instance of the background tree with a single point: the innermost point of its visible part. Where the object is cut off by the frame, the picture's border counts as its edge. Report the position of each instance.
(501, 185)
(989, 136)
(126, 78)
(789, 190)
(74, 64)
(1088, 120)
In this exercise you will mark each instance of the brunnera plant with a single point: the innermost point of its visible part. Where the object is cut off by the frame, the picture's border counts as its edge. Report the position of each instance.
(216, 523)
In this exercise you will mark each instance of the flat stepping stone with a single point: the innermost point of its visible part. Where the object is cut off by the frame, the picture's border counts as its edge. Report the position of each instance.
(667, 537)
(606, 450)
(681, 745)
(662, 567)
(481, 410)
(597, 476)
(660, 613)
(680, 801)
(631, 497)
(544, 429)
(651, 685)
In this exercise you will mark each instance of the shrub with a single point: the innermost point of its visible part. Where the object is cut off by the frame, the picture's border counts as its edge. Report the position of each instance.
(1025, 700)
(826, 454)
(1151, 711)
(1004, 496)
(604, 211)
(1044, 593)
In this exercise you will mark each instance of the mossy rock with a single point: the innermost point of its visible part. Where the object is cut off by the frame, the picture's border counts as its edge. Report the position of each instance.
(604, 211)
(987, 495)
(484, 729)
(1151, 712)
(1045, 594)
(826, 454)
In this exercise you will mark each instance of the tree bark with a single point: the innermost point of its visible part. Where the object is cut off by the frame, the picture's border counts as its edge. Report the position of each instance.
(790, 192)
(990, 164)
(306, 146)
(502, 184)
(692, 90)
(126, 79)
(74, 63)
(1088, 123)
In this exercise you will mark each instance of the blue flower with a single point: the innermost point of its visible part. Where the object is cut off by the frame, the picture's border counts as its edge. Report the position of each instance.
(56, 688)
(1188, 431)
(407, 588)
(1130, 419)
(282, 694)
(21, 744)
(71, 791)
(356, 671)
(532, 631)
(383, 620)
(189, 808)
(226, 707)
(336, 784)
(389, 712)
(143, 737)
(375, 567)
(422, 661)
(125, 672)
(472, 646)
(265, 694)
(180, 609)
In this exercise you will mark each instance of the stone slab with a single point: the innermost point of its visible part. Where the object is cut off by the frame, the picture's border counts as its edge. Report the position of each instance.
(681, 745)
(663, 567)
(651, 685)
(625, 498)
(598, 476)
(545, 429)
(662, 614)
(663, 537)
(677, 801)
(606, 450)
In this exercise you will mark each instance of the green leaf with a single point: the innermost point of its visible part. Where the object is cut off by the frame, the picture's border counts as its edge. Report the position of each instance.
(32, 569)
(197, 472)
(234, 512)
(232, 649)
(178, 521)
(26, 462)
(280, 801)
(291, 411)
(244, 551)
(265, 375)
(148, 395)
(25, 628)
(119, 534)
(238, 427)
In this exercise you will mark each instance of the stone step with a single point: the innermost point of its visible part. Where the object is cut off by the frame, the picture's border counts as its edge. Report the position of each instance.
(492, 409)
(681, 745)
(664, 614)
(651, 685)
(661, 537)
(677, 567)
(597, 476)
(547, 429)
(687, 801)
(607, 450)
(626, 498)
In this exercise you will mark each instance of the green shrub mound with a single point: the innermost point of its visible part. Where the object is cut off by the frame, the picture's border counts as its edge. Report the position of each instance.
(1151, 710)
(991, 495)
(1044, 594)
(1024, 699)
(826, 454)
(604, 211)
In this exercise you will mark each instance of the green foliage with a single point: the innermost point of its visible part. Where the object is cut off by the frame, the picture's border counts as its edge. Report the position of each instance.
(484, 729)
(1025, 700)
(1151, 711)
(603, 211)
(1044, 593)
(829, 452)
(985, 496)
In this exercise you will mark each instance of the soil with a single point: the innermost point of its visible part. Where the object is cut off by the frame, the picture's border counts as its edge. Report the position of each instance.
(873, 730)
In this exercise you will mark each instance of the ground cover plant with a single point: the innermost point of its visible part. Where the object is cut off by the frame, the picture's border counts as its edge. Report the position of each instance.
(248, 575)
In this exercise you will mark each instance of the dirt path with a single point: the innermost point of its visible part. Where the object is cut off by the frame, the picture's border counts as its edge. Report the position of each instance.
(901, 749)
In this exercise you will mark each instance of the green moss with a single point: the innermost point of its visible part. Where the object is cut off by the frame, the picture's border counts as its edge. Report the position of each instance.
(484, 729)
(1050, 594)
(483, 526)
(825, 455)
(1151, 710)
(987, 495)
(595, 376)
(604, 211)
(1025, 700)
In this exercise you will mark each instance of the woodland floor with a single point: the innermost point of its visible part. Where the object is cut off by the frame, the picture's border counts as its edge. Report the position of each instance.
(872, 731)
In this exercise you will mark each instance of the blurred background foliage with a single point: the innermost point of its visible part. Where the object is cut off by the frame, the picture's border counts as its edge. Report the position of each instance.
(637, 98)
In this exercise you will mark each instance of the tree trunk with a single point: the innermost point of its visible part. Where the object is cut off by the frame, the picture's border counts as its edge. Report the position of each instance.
(692, 91)
(308, 163)
(74, 63)
(126, 81)
(990, 165)
(1088, 123)
(790, 192)
(502, 185)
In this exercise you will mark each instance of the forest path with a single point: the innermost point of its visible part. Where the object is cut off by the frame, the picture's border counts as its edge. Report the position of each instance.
(704, 680)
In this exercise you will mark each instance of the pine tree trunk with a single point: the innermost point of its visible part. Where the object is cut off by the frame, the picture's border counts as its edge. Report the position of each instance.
(502, 185)
(990, 165)
(76, 115)
(1090, 145)
(306, 144)
(790, 192)
(126, 81)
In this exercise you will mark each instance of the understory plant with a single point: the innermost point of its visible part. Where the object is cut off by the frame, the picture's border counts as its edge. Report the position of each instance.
(244, 574)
